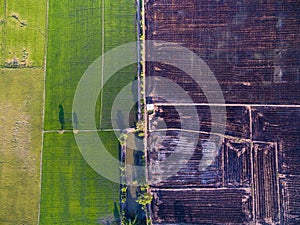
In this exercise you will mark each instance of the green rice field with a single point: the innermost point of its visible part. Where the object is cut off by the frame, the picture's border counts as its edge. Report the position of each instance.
(72, 192)
(80, 32)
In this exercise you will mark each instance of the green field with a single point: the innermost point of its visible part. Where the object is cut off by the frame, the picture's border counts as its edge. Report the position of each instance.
(75, 40)
(72, 192)
(21, 143)
(74, 43)
(22, 26)
(120, 28)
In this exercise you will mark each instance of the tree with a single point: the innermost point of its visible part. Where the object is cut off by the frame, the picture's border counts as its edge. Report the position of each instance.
(122, 139)
(140, 127)
(144, 197)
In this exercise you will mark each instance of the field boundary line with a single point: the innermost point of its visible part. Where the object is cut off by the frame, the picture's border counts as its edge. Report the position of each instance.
(102, 61)
(228, 104)
(4, 32)
(44, 104)
(79, 131)
(247, 189)
(138, 24)
(277, 180)
(246, 140)
(252, 166)
(22, 68)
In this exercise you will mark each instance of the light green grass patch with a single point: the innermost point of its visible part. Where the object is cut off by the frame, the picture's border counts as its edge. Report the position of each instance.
(72, 192)
(74, 43)
(21, 143)
(120, 28)
(23, 32)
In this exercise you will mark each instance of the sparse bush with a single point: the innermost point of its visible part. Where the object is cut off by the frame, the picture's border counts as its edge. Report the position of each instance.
(144, 197)
(140, 125)
(123, 189)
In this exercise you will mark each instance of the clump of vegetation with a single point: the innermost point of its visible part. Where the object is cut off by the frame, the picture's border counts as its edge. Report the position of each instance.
(22, 23)
(24, 57)
(130, 221)
(15, 16)
(123, 194)
(122, 139)
(140, 126)
(14, 63)
(145, 197)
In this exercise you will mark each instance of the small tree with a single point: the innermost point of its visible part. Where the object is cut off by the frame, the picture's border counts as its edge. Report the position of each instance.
(144, 197)
(122, 139)
(144, 200)
(140, 126)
